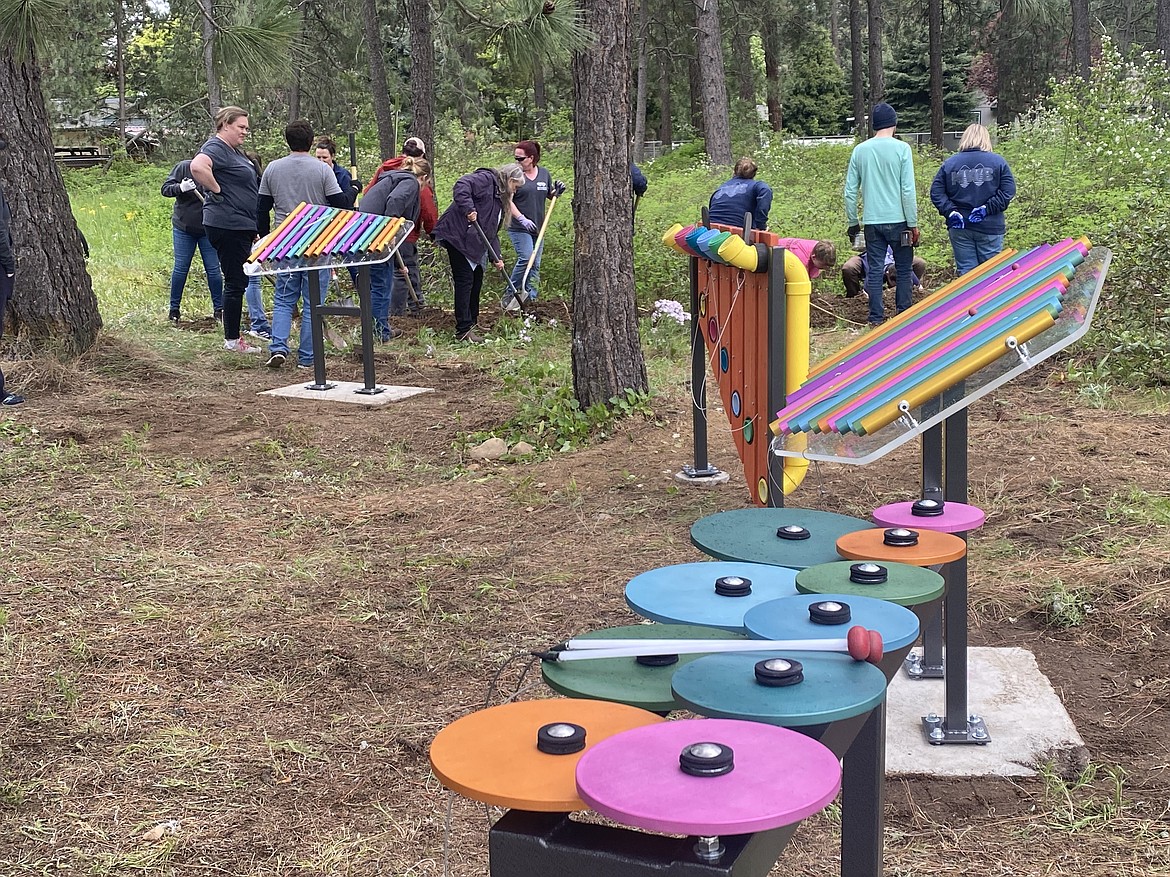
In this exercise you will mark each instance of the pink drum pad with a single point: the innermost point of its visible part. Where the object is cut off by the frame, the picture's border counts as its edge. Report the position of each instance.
(779, 778)
(956, 517)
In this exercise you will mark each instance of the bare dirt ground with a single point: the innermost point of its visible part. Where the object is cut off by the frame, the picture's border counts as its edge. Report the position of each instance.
(230, 624)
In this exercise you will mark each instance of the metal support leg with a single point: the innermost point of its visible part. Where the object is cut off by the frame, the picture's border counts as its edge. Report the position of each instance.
(702, 470)
(930, 663)
(777, 365)
(366, 315)
(956, 725)
(863, 799)
(317, 328)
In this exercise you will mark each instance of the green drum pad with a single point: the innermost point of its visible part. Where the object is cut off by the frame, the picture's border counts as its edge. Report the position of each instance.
(624, 680)
(750, 535)
(835, 687)
(905, 585)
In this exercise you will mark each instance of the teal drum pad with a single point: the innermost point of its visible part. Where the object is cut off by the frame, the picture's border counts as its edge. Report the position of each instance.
(795, 538)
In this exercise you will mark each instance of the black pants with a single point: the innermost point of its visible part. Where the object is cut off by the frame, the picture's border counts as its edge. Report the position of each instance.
(233, 245)
(468, 282)
(6, 284)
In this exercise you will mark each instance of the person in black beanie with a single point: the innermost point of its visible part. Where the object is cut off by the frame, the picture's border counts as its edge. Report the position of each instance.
(7, 276)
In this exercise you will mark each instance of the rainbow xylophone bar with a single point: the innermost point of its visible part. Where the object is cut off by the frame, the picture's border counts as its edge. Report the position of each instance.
(935, 345)
(313, 236)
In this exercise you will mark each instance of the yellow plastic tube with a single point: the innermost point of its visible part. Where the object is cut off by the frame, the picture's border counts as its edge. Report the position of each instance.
(798, 289)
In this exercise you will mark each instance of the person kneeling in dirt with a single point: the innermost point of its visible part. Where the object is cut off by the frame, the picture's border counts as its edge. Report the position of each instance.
(855, 268)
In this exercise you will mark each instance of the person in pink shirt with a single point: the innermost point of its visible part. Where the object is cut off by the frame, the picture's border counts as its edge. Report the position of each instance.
(816, 256)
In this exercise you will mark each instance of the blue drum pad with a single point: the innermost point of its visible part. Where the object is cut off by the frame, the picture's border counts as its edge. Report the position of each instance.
(685, 593)
(788, 618)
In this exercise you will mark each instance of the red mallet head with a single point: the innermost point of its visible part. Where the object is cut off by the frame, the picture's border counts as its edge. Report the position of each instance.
(864, 645)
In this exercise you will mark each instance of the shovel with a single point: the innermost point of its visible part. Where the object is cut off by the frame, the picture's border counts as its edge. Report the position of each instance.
(496, 258)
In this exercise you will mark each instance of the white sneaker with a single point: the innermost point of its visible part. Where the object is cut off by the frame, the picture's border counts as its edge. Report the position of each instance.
(239, 345)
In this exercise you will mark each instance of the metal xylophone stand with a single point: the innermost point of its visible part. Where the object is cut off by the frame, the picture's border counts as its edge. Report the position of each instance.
(944, 477)
(363, 311)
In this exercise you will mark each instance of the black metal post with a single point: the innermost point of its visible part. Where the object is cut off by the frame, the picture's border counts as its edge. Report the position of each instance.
(698, 379)
(863, 799)
(366, 316)
(318, 333)
(931, 663)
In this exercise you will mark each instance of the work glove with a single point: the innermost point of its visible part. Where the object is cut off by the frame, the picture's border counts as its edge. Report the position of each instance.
(852, 231)
(525, 223)
(955, 219)
(558, 188)
(186, 185)
(914, 235)
(978, 214)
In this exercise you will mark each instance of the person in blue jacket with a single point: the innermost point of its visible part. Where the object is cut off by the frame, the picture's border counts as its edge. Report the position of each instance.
(743, 193)
(326, 152)
(972, 190)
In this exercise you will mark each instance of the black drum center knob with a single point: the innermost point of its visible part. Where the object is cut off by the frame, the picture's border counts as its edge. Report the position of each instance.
(656, 660)
(868, 573)
(733, 586)
(779, 672)
(793, 532)
(560, 738)
(707, 759)
(829, 612)
(927, 508)
(900, 536)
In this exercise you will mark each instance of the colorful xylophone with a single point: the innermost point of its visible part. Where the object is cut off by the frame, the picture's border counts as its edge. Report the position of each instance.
(983, 315)
(313, 236)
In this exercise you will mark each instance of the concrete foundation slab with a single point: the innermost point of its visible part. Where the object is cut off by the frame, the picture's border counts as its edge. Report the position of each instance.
(1025, 719)
(346, 391)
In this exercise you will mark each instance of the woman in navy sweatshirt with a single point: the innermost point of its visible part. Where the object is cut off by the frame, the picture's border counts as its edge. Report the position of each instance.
(971, 190)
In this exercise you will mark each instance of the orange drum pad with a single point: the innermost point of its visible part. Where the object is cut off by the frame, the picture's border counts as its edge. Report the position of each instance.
(902, 545)
(492, 755)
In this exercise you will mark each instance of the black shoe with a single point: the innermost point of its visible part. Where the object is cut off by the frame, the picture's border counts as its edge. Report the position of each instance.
(11, 399)
(469, 337)
(276, 360)
(173, 316)
(218, 315)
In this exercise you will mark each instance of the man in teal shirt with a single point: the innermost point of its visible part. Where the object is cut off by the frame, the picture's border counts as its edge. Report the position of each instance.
(881, 171)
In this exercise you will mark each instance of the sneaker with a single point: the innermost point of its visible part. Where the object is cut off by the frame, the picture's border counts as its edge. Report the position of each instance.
(218, 315)
(469, 337)
(173, 316)
(276, 360)
(305, 366)
(239, 345)
(263, 335)
(11, 399)
(389, 335)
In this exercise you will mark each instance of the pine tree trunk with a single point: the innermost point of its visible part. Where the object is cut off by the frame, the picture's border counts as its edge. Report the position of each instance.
(1162, 28)
(207, 29)
(1080, 38)
(422, 74)
(665, 104)
(770, 37)
(856, 73)
(539, 98)
(877, 75)
(606, 349)
(713, 84)
(379, 91)
(643, 74)
(53, 305)
(936, 71)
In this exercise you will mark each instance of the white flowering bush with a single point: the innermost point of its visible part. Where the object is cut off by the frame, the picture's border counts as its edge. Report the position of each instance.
(667, 335)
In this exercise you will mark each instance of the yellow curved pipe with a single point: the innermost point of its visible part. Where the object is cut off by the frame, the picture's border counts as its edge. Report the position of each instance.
(798, 288)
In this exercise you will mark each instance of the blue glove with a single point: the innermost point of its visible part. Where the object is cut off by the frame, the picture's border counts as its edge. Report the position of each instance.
(558, 188)
(955, 219)
(525, 223)
(978, 214)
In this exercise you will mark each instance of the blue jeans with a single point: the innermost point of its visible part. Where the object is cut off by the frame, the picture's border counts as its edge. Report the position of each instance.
(185, 245)
(401, 301)
(293, 287)
(878, 236)
(523, 242)
(972, 248)
(380, 281)
(257, 317)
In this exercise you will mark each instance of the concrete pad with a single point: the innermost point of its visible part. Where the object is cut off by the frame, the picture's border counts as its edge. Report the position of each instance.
(346, 391)
(1025, 719)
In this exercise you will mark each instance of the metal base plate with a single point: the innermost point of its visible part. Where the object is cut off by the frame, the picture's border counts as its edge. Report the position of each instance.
(939, 733)
(917, 669)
